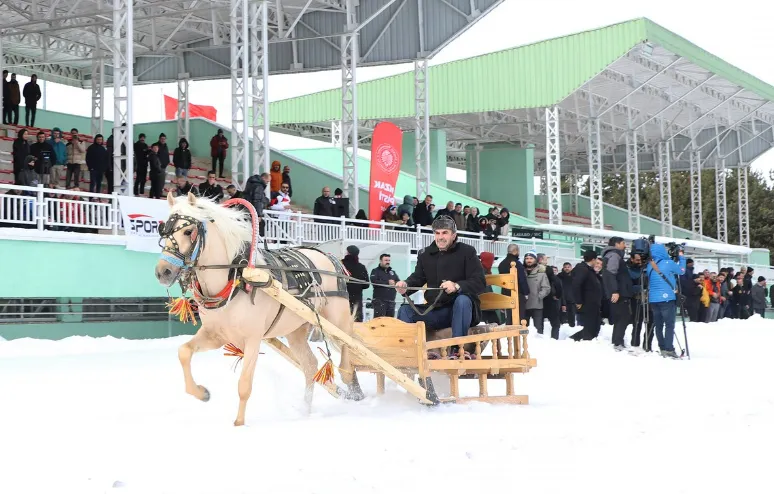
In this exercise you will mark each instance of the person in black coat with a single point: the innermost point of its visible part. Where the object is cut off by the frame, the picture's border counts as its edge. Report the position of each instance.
(255, 194)
(568, 309)
(422, 214)
(97, 160)
(156, 171)
(587, 292)
(21, 149)
(355, 290)
(383, 296)
(618, 288)
(455, 268)
(504, 268)
(141, 165)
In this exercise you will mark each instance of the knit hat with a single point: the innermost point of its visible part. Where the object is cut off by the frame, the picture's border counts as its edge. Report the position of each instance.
(444, 222)
(353, 250)
(531, 253)
(761, 278)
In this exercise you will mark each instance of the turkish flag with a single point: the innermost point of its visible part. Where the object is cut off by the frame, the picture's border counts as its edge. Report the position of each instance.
(204, 111)
(386, 153)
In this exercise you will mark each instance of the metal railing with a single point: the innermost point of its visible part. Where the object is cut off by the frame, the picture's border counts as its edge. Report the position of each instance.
(59, 208)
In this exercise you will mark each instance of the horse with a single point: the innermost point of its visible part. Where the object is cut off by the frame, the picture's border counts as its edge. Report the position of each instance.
(202, 241)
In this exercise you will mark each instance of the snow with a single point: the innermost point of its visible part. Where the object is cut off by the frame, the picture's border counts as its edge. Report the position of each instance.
(95, 415)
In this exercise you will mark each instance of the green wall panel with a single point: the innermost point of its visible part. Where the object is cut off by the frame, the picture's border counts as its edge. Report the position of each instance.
(56, 269)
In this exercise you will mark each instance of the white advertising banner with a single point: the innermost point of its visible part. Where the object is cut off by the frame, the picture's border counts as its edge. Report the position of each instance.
(141, 217)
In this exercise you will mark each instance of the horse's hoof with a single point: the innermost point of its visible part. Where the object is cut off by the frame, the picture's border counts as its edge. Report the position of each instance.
(239, 423)
(205, 394)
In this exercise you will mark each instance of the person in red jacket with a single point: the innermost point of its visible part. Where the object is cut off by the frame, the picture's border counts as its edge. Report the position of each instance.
(218, 146)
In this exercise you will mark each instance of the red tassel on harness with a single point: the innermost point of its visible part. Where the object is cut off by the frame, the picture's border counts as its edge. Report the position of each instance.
(325, 374)
(182, 308)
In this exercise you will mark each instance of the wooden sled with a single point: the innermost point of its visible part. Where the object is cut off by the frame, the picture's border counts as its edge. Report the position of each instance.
(391, 348)
(406, 346)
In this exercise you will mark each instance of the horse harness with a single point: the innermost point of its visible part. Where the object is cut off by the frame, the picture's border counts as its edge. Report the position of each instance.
(294, 270)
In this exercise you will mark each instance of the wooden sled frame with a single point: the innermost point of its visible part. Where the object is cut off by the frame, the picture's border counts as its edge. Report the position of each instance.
(398, 350)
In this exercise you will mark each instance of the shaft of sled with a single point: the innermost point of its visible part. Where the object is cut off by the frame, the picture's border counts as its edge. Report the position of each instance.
(285, 352)
(276, 292)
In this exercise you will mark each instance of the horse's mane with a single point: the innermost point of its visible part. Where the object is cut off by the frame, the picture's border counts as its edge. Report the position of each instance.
(234, 223)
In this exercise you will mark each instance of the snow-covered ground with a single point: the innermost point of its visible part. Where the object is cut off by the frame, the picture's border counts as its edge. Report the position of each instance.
(87, 415)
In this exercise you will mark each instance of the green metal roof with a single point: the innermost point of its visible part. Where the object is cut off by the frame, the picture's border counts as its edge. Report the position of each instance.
(531, 76)
(330, 159)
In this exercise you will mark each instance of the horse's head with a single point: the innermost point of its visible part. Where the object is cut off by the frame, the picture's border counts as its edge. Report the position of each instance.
(182, 240)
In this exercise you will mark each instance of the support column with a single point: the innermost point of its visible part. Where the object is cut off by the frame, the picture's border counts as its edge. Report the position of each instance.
(240, 164)
(632, 177)
(696, 214)
(744, 211)
(574, 178)
(595, 175)
(665, 187)
(474, 163)
(97, 89)
(720, 197)
(553, 167)
(123, 79)
(349, 131)
(421, 128)
(259, 69)
(183, 121)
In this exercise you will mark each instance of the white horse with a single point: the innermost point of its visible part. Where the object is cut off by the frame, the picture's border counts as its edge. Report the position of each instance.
(200, 233)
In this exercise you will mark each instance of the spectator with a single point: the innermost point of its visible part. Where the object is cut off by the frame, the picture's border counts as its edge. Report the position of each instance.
(97, 160)
(233, 193)
(28, 177)
(141, 160)
(286, 179)
(156, 172)
(355, 290)
(76, 159)
(521, 275)
(713, 288)
(14, 95)
(663, 274)
(407, 206)
(568, 309)
(280, 201)
(758, 295)
(554, 301)
(276, 176)
(423, 212)
(163, 153)
(384, 297)
(44, 158)
(210, 189)
(447, 211)
(218, 147)
(617, 288)
(184, 187)
(742, 298)
(587, 292)
(182, 158)
(641, 312)
(324, 206)
(539, 288)
(455, 268)
(31, 95)
(59, 155)
(472, 223)
(21, 149)
(390, 215)
(255, 194)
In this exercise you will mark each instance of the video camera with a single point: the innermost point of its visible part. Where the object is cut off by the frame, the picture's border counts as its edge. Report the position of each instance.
(642, 245)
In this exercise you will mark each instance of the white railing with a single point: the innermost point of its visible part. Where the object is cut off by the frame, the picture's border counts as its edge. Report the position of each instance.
(59, 209)
(62, 209)
(306, 228)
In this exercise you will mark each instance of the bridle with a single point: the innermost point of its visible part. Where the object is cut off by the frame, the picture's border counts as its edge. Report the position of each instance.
(172, 254)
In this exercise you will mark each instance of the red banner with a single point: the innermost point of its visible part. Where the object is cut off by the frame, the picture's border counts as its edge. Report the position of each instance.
(386, 150)
(204, 111)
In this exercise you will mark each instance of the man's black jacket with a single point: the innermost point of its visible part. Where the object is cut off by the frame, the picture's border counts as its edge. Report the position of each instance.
(460, 264)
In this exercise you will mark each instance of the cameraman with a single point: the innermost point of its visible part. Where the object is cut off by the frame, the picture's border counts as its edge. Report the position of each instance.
(640, 306)
(663, 274)
(618, 287)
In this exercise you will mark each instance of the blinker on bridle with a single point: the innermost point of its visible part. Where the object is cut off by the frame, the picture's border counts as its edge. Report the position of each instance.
(173, 254)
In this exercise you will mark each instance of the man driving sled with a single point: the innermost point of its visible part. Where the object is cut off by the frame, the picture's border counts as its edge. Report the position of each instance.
(454, 267)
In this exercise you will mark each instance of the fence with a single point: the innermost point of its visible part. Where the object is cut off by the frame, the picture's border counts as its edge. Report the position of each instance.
(58, 209)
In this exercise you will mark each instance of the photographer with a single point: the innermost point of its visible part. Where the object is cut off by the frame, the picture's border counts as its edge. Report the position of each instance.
(617, 288)
(663, 273)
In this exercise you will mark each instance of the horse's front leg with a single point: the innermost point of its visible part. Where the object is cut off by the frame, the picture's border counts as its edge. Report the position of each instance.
(246, 378)
(201, 342)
